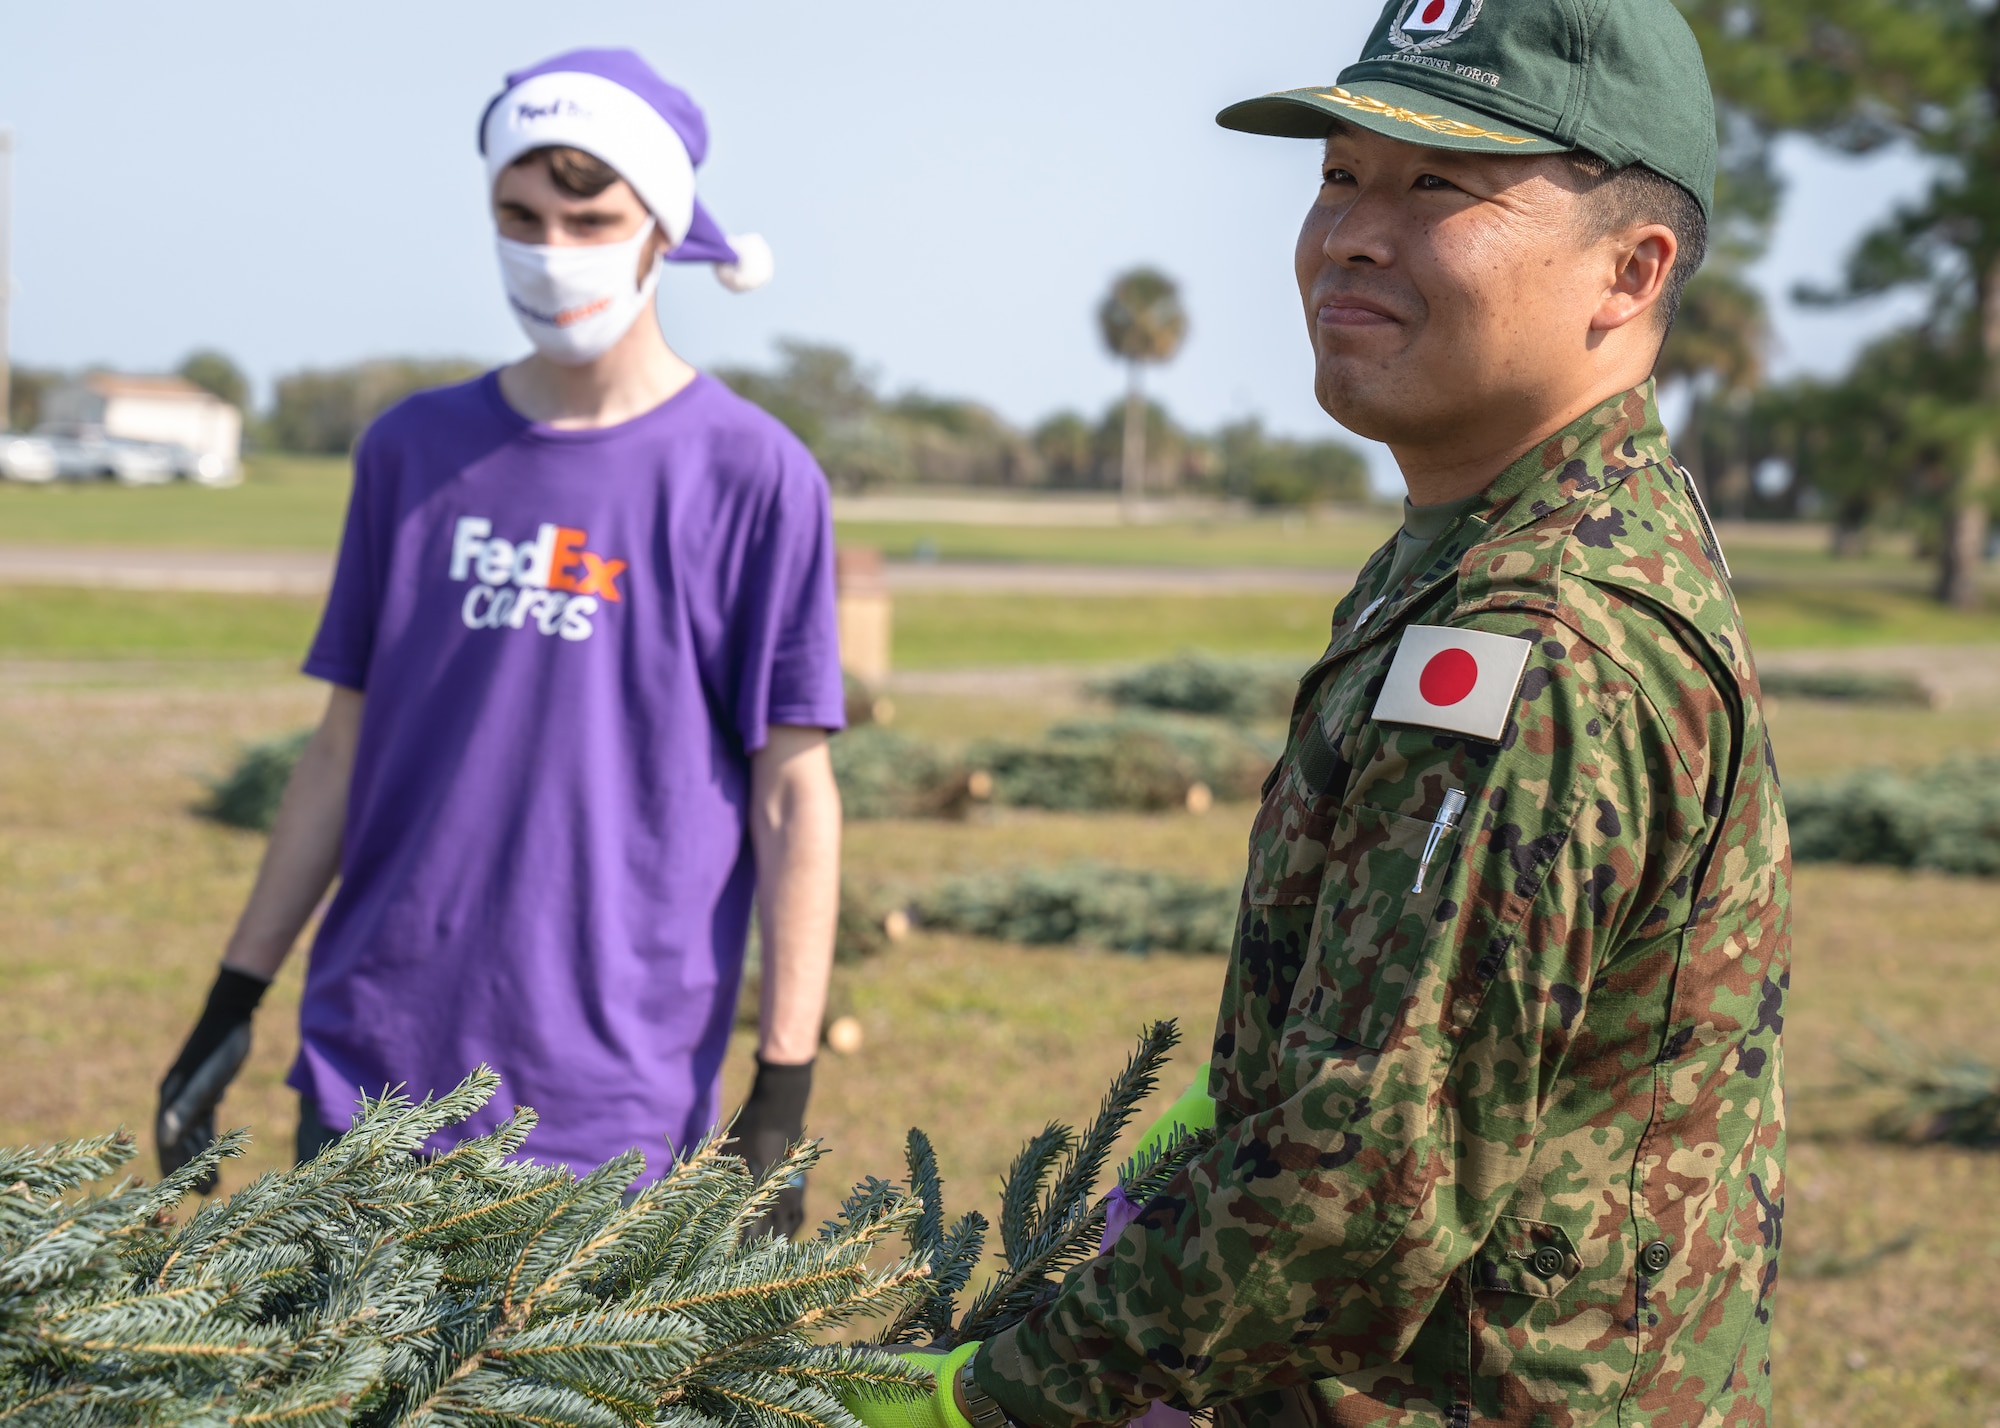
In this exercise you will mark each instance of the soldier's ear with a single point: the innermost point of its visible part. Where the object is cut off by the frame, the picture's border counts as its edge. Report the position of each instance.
(1641, 268)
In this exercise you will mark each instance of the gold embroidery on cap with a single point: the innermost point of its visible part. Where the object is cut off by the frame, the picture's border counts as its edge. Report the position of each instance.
(1436, 123)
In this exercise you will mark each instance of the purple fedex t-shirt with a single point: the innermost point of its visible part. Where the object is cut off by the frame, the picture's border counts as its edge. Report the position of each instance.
(571, 643)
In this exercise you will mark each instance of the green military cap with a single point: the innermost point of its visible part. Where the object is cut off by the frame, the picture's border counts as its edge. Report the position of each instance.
(1622, 79)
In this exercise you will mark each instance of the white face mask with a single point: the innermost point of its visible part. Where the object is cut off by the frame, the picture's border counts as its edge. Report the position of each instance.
(575, 302)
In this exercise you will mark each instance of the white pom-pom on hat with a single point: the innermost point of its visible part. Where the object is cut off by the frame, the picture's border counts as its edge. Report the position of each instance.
(753, 266)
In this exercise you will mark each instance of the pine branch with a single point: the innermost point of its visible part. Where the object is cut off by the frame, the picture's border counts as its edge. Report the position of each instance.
(1021, 1192)
(951, 1270)
(1065, 1226)
(45, 1170)
(950, 1256)
(1127, 1092)
(927, 1233)
(768, 1402)
(852, 1369)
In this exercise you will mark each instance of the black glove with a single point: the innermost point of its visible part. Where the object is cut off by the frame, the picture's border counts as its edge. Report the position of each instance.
(772, 1119)
(193, 1087)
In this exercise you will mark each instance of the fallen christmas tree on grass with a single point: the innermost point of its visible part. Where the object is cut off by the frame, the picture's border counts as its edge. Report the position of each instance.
(247, 797)
(884, 774)
(1945, 818)
(1846, 686)
(1193, 682)
(1139, 762)
(373, 1285)
(1123, 909)
(1145, 762)
(1939, 1096)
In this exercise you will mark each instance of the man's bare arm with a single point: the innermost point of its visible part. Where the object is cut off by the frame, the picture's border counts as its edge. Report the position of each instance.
(795, 834)
(304, 852)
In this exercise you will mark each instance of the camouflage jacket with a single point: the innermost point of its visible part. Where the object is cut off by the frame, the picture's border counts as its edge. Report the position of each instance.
(1508, 1150)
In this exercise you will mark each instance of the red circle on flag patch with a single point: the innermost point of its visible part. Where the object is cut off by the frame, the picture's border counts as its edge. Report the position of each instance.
(1448, 677)
(1431, 13)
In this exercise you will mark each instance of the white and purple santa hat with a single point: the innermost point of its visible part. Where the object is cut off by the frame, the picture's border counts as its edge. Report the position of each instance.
(611, 105)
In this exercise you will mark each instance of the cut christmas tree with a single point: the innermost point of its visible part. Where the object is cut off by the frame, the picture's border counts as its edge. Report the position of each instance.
(376, 1286)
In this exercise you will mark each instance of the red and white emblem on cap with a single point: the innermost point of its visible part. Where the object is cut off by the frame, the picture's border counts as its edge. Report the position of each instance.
(1426, 24)
(1462, 681)
(1431, 15)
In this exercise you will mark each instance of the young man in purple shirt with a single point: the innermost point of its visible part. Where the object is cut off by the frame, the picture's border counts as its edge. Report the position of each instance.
(581, 643)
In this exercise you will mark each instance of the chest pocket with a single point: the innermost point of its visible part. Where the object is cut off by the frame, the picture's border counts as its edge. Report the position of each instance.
(1290, 839)
(1294, 827)
(1370, 930)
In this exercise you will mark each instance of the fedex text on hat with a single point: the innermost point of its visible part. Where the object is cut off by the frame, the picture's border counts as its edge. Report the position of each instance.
(554, 109)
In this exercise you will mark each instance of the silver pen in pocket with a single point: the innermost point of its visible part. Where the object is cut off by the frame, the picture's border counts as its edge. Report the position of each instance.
(1446, 820)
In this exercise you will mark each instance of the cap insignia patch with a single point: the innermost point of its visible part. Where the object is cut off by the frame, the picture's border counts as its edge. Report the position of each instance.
(1426, 24)
(1435, 123)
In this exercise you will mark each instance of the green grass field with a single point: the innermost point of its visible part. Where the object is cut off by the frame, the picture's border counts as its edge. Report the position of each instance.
(53, 622)
(297, 502)
(943, 631)
(114, 902)
(1836, 612)
(284, 503)
(1335, 541)
(1794, 595)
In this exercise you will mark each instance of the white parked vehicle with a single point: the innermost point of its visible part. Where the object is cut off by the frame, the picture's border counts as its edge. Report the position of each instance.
(55, 453)
(28, 458)
(81, 458)
(208, 469)
(143, 463)
(130, 463)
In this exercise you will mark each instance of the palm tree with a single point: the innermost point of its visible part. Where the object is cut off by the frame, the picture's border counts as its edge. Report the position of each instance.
(1143, 321)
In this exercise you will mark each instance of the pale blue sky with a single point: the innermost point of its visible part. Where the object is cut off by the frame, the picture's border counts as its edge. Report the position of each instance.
(947, 190)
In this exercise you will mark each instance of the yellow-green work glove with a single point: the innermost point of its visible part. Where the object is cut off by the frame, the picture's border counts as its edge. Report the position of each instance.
(1194, 1111)
(940, 1410)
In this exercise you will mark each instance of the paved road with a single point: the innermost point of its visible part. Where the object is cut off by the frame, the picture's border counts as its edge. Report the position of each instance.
(254, 572)
(1043, 508)
(1958, 676)
(1962, 675)
(996, 577)
(110, 567)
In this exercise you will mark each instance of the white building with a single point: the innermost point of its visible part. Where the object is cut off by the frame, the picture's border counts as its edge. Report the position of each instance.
(169, 410)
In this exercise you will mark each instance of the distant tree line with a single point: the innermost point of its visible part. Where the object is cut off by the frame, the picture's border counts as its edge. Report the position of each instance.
(327, 409)
(867, 439)
(25, 390)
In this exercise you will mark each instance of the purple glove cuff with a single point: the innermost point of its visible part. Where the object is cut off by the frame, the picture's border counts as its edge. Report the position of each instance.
(1121, 1210)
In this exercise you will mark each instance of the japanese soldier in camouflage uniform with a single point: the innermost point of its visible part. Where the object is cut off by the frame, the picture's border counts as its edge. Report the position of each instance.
(1497, 1070)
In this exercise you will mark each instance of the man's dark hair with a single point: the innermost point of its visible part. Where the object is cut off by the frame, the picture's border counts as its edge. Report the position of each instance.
(576, 173)
(1621, 198)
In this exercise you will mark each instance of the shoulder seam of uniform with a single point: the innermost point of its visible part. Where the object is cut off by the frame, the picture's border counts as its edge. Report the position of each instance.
(1631, 670)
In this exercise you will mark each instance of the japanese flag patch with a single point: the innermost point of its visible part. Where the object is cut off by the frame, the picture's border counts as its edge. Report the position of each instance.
(1461, 681)
(1431, 15)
